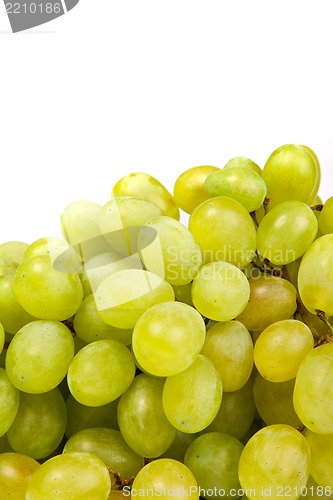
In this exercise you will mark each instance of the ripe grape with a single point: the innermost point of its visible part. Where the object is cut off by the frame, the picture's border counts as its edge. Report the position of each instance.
(325, 218)
(12, 315)
(189, 190)
(15, 473)
(9, 402)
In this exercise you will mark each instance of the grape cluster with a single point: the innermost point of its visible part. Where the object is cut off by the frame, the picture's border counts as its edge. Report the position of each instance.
(142, 356)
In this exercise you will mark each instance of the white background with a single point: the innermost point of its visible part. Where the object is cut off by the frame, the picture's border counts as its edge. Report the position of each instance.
(117, 86)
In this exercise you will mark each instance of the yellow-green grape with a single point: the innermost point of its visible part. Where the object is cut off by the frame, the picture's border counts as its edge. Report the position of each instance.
(321, 446)
(46, 293)
(291, 271)
(124, 296)
(167, 338)
(70, 476)
(189, 190)
(100, 372)
(183, 293)
(15, 473)
(179, 445)
(2, 337)
(276, 459)
(313, 195)
(213, 459)
(7, 266)
(192, 398)
(325, 218)
(236, 412)
(145, 187)
(109, 446)
(4, 445)
(215, 225)
(315, 278)
(168, 249)
(291, 173)
(39, 425)
(220, 291)
(62, 255)
(286, 232)
(239, 183)
(281, 348)
(89, 326)
(12, 315)
(315, 491)
(229, 346)
(13, 251)
(274, 401)
(166, 477)
(244, 162)
(9, 402)
(313, 393)
(39, 356)
(271, 299)
(141, 418)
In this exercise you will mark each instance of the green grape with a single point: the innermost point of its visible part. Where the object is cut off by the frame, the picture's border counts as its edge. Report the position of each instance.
(179, 445)
(183, 293)
(236, 412)
(7, 267)
(173, 253)
(220, 291)
(314, 491)
(2, 337)
(61, 254)
(280, 349)
(189, 187)
(244, 162)
(90, 327)
(274, 401)
(39, 356)
(321, 446)
(109, 446)
(15, 473)
(165, 477)
(39, 425)
(167, 338)
(313, 195)
(9, 402)
(325, 218)
(192, 398)
(315, 279)
(291, 272)
(13, 251)
(240, 183)
(121, 305)
(4, 445)
(313, 391)
(141, 418)
(145, 187)
(12, 315)
(46, 293)
(215, 225)
(213, 459)
(291, 173)
(271, 299)
(286, 232)
(229, 346)
(71, 476)
(276, 459)
(80, 417)
(100, 372)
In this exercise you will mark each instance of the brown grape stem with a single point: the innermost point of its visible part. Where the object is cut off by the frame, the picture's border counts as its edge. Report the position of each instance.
(318, 208)
(303, 312)
(254, 217)
(322, 315)
(266, 203)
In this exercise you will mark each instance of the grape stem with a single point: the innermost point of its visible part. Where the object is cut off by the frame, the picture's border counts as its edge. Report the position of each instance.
(266, 203)
(254, 217)
(322, 315)
(118, 481)
(318, 207)
(303, 312)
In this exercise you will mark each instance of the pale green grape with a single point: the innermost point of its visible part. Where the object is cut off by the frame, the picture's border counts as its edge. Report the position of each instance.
(79, 225)
(61, 254)
(192, 398)
(244, 162)
(183, 293)
(46, 293)
(71, 476)
(215, 225)
(213, 459)
(220, 291)
(141, 418)
(325, 218)
(109, 446)
(90, 327)
(167, 338)
(100, 372)
(13, 251)
(280, 349)
(7, 266)
(172, 253)
(165, 477)
(240, 183)
(146, 187)
(39, 425)
(313, 393)
(286, 232)
(271, 299)
(229, 346)
(15, 473)
(315, 278)
(39, 356)
(321, 446)
(2, 337)
(122, 305)
(179, 445)
(291, 173)
(277, 457)
(9, 402)
(12, 315)
(313, 195)
(274, 401)
(314, 491)
(189, 187)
